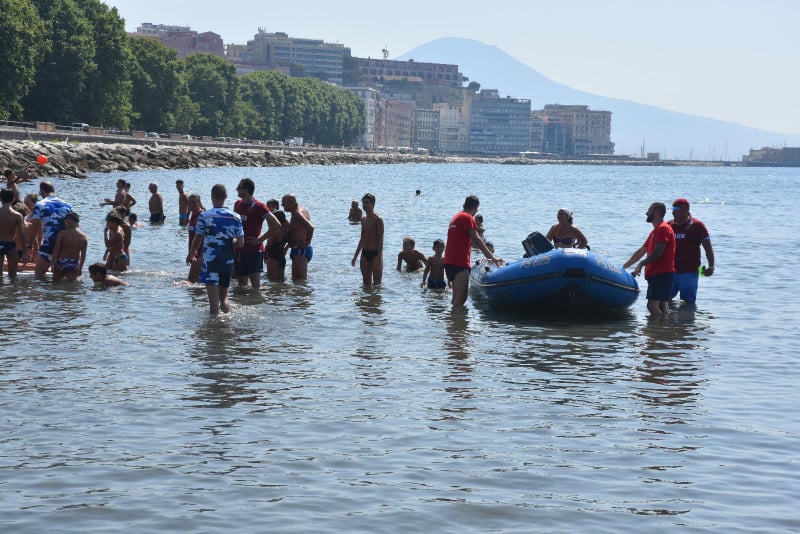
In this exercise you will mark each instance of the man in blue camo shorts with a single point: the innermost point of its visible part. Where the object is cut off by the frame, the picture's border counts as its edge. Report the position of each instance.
(218, 230)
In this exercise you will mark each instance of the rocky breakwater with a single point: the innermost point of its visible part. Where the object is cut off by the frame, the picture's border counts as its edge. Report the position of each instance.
(78, 159)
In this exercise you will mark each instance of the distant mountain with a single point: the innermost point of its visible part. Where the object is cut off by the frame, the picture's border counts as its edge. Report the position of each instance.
(675, 135)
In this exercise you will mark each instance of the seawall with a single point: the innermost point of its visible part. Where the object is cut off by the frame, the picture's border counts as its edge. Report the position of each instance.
(78, 159)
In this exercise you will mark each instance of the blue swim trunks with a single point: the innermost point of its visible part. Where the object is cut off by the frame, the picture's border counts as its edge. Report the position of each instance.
(307, 251)
(67, 264)
(7, 247)
(437, 283)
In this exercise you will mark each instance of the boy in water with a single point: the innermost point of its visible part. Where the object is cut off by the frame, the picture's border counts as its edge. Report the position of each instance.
(415, 260)
(99, 275)
(11, 233)
(371, 243)
(133, 221)
(70, 251)
(435, 267)
(115, 256)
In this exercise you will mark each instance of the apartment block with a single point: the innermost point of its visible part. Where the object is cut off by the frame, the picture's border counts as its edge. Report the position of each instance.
(425, 129)
(183, 39)
(548, 135)
(318, 58)
(377, 71)
(453, 126)
(499, 125)
(372, 104)
(398, 118)
(586, 132)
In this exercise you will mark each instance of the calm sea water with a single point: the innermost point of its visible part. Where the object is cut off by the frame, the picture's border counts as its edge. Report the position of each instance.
(327, 407)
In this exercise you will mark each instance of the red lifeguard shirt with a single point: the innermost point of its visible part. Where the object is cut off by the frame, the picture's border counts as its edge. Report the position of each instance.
(253, 214)
(688, 237)
(459, 241)
(666, 262)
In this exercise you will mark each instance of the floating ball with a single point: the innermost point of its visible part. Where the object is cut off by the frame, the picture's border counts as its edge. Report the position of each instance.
(42, 159)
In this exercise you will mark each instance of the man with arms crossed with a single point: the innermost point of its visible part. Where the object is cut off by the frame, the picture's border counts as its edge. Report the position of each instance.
(659, 265)
(300, 233)
(690, 233)
(461, 235)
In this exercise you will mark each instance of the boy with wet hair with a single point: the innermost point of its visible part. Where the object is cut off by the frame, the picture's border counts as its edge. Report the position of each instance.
(415, 260)
(435, 267)
(99, 275)
(114, 236)
(70, 252)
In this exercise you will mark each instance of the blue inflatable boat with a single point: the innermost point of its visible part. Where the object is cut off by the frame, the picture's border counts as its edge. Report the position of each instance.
(564, 279)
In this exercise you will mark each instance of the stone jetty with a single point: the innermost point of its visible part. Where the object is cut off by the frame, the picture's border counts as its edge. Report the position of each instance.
(78, 159)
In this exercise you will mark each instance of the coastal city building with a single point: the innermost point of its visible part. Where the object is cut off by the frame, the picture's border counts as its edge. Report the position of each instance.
(548, 135)
(585, 132)
(268, 50)
(372, 102)
(397, 129)
(183, 39)
(499, 125)
(425, 129)
(412, 104)
(453, 126)
(378, 71)
(774, 157)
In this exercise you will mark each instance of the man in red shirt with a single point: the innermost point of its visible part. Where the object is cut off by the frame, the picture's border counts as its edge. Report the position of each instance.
(659, 265)
(249, 261)
(690, 233)
(461, 235)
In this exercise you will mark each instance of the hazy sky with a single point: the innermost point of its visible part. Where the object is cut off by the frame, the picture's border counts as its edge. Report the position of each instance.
(735, 60)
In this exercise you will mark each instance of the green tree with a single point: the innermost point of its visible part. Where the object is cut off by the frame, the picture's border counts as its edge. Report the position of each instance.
(213, 86)
(62, 73)
(474, 87)
(106, 97)
(258, 90)
(23, 35)
(160, 93)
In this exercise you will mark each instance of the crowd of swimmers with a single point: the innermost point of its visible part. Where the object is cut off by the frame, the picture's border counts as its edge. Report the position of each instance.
(41, 233)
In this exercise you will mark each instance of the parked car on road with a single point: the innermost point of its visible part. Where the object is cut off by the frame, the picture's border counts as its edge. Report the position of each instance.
(80, 127)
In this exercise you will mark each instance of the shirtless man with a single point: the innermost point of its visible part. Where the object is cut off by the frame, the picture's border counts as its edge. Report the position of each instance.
(183, 204)
(371, 244)
(47, 221)
(130, 201)
(156, 204)
(120, 198)
(11, 232)
(300, 233)
(70, 252)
